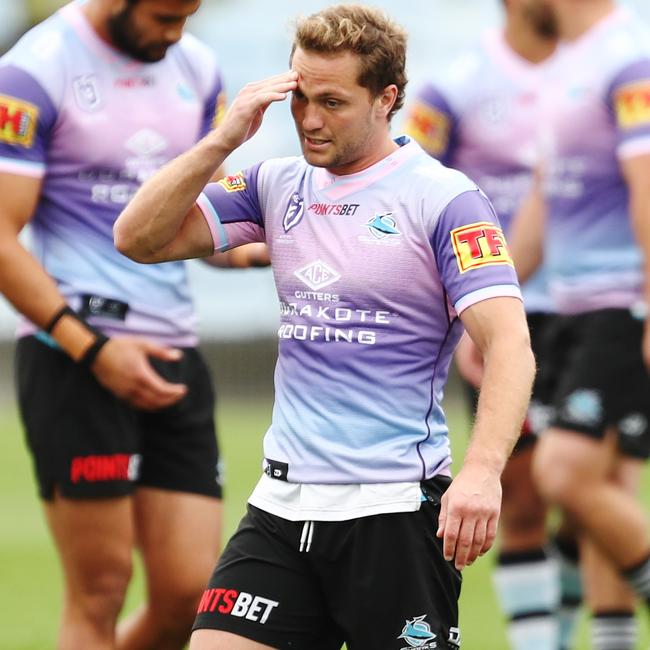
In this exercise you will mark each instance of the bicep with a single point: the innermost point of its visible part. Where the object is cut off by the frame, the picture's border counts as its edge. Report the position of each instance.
(20, 195)
(194, 238)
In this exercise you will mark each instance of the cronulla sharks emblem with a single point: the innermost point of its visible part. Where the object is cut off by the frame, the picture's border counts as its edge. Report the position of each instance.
(417, 633)
(383, 225)
(294, 212)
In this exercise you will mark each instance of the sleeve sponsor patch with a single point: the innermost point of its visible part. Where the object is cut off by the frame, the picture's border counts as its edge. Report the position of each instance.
(220, 110)
(632, 103)
(18, 121)
(235, 183)
(429, 127)
(479, 244)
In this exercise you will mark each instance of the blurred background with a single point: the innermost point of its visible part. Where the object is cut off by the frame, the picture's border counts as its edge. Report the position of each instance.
(238, 309)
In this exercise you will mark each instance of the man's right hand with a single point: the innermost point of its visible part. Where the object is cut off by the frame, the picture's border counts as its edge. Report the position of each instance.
(122, 367)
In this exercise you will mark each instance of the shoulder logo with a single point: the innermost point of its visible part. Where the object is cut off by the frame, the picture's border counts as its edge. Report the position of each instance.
(294, 212)
(317, 275)
(18, 121)
(633, 105)
(417, 633)
(479, 244)
(429, 127)
(235, 183)
(383, 225)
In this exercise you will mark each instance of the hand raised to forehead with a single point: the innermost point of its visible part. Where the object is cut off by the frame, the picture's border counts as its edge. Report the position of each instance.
(244, 117)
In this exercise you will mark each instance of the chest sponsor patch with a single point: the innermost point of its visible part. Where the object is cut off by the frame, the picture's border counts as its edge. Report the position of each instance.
(479, 244)
(18, 121)
(235, 183)
(430, 127)
(633, 105)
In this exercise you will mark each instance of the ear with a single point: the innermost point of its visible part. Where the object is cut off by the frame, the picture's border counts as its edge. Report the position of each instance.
(385, 101)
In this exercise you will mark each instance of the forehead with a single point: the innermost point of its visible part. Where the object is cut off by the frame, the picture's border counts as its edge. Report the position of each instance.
(320, 71)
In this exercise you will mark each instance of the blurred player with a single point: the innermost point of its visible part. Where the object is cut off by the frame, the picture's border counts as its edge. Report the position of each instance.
(380, 254)
(596, 190)
(117, 402)
(482, 117)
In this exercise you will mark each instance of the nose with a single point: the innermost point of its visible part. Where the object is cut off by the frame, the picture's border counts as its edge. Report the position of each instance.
(312, 119)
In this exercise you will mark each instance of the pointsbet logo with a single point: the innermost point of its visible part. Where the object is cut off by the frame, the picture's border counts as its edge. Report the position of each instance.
(237, 603)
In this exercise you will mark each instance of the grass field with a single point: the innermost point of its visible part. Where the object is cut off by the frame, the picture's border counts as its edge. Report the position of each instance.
(30, 581)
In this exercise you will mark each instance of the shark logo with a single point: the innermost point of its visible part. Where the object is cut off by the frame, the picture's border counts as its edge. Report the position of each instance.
(294, 212)
(383, 225)
(417, 633)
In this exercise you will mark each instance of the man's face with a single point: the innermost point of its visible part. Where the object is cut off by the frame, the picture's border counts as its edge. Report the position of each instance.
(337, 119)
(541, 16)
(147, 28)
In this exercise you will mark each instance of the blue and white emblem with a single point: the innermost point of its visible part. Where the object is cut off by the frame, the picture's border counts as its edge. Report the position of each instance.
(294, 212)
(383, 225)
(417, 633)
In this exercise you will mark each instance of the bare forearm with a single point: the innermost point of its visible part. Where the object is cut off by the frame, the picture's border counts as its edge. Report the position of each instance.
(153, 218)
(505, 391)
(640, 212)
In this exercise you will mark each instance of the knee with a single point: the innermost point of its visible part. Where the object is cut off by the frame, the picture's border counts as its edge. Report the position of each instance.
(554, 475)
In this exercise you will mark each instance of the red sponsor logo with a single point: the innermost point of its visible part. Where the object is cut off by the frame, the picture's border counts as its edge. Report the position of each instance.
(90, 469)
(17, 121)
(237, 603)
(134, 82)
(234, 183)
(337, 209)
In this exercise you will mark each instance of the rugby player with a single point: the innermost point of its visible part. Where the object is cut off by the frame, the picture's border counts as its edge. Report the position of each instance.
(355, 532)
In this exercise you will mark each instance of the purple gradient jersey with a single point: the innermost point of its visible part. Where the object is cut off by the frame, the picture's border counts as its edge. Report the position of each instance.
(371, 270)
(482, 117)
(598, 114)
(93, 124)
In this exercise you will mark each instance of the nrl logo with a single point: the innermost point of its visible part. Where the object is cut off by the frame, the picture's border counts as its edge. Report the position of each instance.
(294, 212)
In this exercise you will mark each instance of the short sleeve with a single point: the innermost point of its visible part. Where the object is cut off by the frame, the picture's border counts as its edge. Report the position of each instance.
(430, 121)
(27, 118)
(232, 210)
(471, 252)
(214, 107)
(629, 100)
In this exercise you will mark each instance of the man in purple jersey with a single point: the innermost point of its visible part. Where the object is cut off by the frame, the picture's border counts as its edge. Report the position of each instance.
(116, 400)
(595, 195)
(379, 254)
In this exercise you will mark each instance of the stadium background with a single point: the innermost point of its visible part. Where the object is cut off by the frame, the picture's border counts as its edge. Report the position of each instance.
(238, 314)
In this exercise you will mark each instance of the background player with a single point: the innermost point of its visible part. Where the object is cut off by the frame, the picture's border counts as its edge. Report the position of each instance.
(596, 190)
(356, 352)
(482, 116)
(119, 420)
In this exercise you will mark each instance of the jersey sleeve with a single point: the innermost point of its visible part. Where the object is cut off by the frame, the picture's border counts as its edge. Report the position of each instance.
(471, 252)
(27, 118)
(629, 99)
(231, 208)
(214, 107)
(430, 121)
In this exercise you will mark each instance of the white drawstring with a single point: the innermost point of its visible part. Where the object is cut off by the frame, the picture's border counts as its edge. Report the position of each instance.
(311, 535)
(306, 536)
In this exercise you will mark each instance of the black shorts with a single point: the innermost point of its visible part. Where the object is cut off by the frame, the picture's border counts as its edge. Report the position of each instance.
(88, 443)
(373, 582)
(602, 381)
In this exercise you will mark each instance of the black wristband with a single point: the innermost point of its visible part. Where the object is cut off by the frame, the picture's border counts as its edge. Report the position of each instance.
(64, 311)
(89, 356)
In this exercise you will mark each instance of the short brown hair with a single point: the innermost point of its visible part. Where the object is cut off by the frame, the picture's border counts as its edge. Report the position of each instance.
(365, 31)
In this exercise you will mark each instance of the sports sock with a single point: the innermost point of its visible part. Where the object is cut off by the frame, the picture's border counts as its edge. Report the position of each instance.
(639, 579)
(613, 631)
(567, 553)
(526, 584)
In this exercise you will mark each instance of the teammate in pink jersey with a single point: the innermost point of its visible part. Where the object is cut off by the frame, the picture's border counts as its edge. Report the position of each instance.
(595, 197)
(380, 255)
(117, 402)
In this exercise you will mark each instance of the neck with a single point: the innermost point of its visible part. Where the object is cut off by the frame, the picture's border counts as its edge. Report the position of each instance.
(98, 14)
(525, 41)
(577, 17)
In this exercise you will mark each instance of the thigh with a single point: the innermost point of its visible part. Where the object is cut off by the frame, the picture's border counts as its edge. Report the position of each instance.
(265, 590)
(387, 582)
(83, 439)
(180, 450)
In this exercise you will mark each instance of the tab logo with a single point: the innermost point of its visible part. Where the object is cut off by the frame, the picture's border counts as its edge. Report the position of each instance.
(633, 105)
(317, 275)
(234, 183)
(479, 244)
(430, 127)
(17, 121)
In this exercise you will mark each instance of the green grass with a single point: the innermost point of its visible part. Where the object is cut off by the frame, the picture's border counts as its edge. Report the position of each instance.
(30, 580)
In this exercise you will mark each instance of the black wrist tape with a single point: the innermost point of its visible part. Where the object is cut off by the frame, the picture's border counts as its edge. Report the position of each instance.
(64, 311)
(91, 353)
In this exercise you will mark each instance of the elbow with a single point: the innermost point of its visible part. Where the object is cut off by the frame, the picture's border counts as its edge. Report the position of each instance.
(128, 243)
